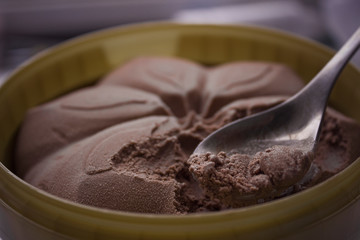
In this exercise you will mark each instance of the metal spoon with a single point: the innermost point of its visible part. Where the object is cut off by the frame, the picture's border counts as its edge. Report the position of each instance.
(296, 120)
(295, 123)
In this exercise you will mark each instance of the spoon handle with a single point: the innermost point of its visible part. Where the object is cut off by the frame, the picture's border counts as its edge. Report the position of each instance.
(319, 89)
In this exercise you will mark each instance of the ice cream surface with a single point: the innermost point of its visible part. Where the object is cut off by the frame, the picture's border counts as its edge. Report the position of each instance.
(125, 143)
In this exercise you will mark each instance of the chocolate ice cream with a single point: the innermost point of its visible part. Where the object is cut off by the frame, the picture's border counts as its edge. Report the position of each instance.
(125, 143)
(241, 179)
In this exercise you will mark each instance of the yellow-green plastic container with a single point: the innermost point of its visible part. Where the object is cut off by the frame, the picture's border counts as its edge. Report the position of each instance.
(330, 210)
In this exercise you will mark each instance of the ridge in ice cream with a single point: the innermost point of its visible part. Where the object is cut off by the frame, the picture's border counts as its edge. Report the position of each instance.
(125, 142)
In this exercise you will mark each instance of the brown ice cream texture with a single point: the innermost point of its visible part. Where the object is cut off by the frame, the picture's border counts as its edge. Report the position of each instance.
(125, 143)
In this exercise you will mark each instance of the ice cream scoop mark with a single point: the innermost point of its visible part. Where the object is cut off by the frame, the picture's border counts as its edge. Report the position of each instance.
(155, 128)
(166, 77)
(92, 170)
(249, 80)
(157, 157)
(101, 107)
(60, 135)
(158, 125)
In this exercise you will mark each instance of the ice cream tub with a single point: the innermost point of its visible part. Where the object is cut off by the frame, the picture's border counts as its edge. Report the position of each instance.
(329, 210)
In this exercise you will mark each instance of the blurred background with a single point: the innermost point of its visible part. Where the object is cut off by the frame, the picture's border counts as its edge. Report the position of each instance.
(29, 26)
